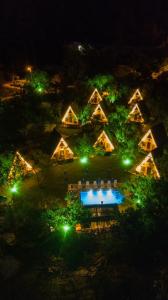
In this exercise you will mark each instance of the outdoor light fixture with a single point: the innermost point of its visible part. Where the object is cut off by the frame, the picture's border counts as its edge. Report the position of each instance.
(29, 69)
(84, 160)
(66, 228)
(127, 161)
(39, 89)
(13, 189)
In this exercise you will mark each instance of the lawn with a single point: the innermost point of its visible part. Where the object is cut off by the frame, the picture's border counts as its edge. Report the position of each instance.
(54, 180)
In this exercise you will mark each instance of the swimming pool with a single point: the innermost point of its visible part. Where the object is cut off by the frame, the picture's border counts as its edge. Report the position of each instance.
(101, 197)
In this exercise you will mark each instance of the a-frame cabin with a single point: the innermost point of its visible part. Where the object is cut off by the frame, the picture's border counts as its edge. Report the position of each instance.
(135, 97)
(62, 151)
(95, 97)
(104, 142)
(70, 118)
(148, 142)
(20, 167)
(99, 115)
(147, 167)
(135, 115)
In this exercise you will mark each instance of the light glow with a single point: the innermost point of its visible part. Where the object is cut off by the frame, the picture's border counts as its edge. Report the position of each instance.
(135, 114)
(29, 69)
(66, 228)
(13, 189)
(104, 141)
(148, 143)
(70, 117)
(39, 89)
(62, 151)
(95, 97)
(100, 113)
(84, 160)
(127, 161)
(19, 160)
(101, 197)
(136, 97)
(146, 164)
(90, 194)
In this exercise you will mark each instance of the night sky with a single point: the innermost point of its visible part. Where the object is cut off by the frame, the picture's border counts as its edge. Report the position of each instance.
(37, 28)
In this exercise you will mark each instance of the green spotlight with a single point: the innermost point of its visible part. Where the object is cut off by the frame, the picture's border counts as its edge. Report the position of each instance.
(127, 161)
(39, 89)
(83, 160)
(13, 189)
(66, 228)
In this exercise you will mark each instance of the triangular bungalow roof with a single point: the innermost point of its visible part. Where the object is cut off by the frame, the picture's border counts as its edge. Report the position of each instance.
(154, 138)
(98, 115)
(62, 151)
(95, 97)
(104, 142)
(135, 114)
(135, 97)
(70, 118)
(20, 167)
(147, 167)
(148, 143)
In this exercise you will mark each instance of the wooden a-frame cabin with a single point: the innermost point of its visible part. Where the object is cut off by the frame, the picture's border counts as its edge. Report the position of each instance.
(135, 115)
(147, 167)
(98, 115)
(135, 97)
(20, 167)
(70, 118)
(148, 142)
(104, 142)
(95, 97)
(62, 151)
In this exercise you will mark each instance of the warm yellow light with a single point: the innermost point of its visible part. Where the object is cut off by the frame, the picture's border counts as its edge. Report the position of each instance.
(136, 97)
(148, 143)
(19, 160)
(135, 112)
(99, 112)
(62, 150)
(95, 97)
(29, 69)
(144, 165)
(70, 117)
(104, 140)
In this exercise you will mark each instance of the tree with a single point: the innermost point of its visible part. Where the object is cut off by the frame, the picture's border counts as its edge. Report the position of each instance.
(119, 117)
(72, 214)
(83, 147)
(5, 165)
(38, 81)
(109, 85)
(84, 114)
(126, 133)
(140, 189)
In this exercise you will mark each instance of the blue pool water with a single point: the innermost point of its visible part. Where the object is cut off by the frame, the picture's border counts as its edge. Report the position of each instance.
(101, 197)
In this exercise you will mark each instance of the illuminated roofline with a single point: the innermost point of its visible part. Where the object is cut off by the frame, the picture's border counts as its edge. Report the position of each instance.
(66, 114)
(133, 97)
(92, 96)
(65, 144)
(100, 136)
(20, 157)
(148, 157)
(133, 110)
(149, 132)
(97, 107)
(24, 161)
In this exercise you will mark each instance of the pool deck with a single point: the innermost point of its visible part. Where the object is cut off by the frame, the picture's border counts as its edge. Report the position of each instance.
(75, 187)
